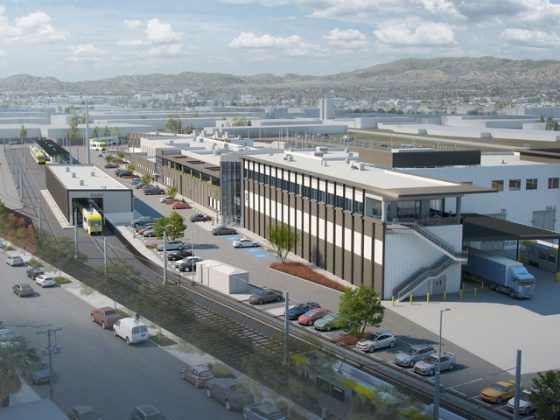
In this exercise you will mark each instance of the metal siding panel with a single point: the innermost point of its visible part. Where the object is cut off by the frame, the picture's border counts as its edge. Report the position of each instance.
(358, 259)
(339, 251)
(329, 251)
(306, 236)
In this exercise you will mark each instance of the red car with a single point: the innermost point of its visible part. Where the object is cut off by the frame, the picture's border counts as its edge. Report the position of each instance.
(105, 317)
(313, 315)
(179, 205)
(199, 375)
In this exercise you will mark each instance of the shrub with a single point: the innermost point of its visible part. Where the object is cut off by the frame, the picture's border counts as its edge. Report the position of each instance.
(33, 263)
(8, 248)
(305, 272)
(220, 370)
(62, 280)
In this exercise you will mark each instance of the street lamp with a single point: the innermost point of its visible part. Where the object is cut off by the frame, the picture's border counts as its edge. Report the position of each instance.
(437, 381)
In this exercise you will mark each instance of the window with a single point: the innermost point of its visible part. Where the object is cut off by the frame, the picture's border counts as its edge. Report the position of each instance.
(498, 185)
(514, 184)
(531, 184)
(553, 183)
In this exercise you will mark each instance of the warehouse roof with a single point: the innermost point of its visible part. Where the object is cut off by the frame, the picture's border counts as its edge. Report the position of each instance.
(477, 227)
(93, 178)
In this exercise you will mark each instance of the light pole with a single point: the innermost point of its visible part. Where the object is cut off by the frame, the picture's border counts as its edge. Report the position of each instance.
(437, 381)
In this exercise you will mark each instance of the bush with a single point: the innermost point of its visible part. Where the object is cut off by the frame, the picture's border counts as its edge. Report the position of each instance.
(8, 248)
(220, 370)
(62, 280)
(33, 263)
(305, 272)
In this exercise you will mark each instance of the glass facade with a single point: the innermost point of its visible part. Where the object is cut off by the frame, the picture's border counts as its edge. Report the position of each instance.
(231, 191)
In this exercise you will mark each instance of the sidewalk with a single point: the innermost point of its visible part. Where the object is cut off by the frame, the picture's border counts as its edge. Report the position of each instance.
(8, 191)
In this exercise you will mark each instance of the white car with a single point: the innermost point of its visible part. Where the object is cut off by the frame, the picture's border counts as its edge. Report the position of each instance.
(525, 405)
(378, 340)
(245, 243)
(131, 330)
(45, 280)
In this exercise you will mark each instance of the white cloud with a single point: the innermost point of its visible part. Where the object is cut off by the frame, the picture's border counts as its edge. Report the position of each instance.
(343, 9)
(268, 3)
(132, 24)
(441, 7)
(348, 38)
(130, 42)
(250, 40)
(529, 38)
(169, 50)
(83, 53)
(34, 27)
(2, 53)
(414, 31)
(159, 32)
(540, 12)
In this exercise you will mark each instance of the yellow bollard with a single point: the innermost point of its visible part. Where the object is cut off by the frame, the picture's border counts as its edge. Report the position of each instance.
(393, 300)
(475, 292)
(461, 294)
(444, 296)
(428, 297)
(411, 298)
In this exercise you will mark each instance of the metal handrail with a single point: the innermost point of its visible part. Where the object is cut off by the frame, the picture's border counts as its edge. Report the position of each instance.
(435, 239)
(420, 276)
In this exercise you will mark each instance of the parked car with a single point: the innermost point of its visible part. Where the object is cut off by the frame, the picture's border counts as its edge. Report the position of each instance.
(36, 371)
(45, 280)
(146, 412)
(295, 311)
(330, 322)
(174, 245)
(377, 340)
(148, 232)
(245, 243)
(119, 170)
(198, 375)
(139, 185)
(497, 392)
(223, 230)
(188, 263)
(313, 315)
(83, 412)
(167, 200)
(23, 289)
(428, 366)
(179, 205)
(262, 411)
(144, 228)
(111, 166)
(136, 181)
(122, 172)
(199, 217)
(229, 392)
(525, 404)
(179, 254)
(8, 339)
(141, 221)
(266, 295)
(131, 330)
(34, 272)
(415, 353)
(14, 260)
(152, 190)
(106, 316)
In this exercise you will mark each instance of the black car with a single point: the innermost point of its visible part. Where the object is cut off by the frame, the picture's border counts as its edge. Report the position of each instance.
(223, 230)
(265, 296)
(122, 172)
(111, 166)
(152, 190)
(301, 308)
(199, 217)
(187, 266)
(37, 371)
(34, 272)
(179, 254)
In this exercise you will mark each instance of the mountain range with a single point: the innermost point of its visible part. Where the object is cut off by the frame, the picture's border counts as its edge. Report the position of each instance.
(407, 74)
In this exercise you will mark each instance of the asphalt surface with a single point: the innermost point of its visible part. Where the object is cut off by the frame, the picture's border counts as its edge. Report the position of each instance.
(93, 367)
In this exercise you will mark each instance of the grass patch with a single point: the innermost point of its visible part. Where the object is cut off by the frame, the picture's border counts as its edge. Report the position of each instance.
(87, 291)
(162, 340)
(305, 272)
(8, 248)
(220, 370)
(62, 280)
(33, 263)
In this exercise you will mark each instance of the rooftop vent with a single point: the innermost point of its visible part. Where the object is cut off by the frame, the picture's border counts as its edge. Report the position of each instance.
(288, 157)
(323, 162)
(92, 173)
(350, 154)
(82, 182)
(322, 149)
(358, 165)
(73, 174)
(68, 169)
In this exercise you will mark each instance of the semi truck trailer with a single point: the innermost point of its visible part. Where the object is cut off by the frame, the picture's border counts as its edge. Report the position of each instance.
(500, 273)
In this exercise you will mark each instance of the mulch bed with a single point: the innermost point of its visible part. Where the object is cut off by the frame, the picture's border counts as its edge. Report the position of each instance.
(305, 272)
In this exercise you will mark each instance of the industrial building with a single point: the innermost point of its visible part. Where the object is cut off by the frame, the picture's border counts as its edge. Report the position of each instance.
(73, 187)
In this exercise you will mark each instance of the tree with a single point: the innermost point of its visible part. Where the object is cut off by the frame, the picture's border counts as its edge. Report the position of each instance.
(147, 178)
(171, 191)
(11, 361)
(189, 129)
(73, 131)
(108, 158)
(95, 133)
(542, 118)
(173, 225)
(283, 239)
(120, 155)
(360, 307)
(131, 167)
(173, 125)
(546, 395)
(106, 132)
(22, 132)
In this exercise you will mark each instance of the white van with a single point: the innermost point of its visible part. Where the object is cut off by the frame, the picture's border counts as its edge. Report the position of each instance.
(131, 330)
(14, 260)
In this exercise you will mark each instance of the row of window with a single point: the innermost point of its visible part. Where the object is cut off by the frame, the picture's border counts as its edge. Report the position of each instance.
(530, 184)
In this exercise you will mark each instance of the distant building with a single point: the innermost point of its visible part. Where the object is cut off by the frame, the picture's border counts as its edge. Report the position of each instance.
(326, 109)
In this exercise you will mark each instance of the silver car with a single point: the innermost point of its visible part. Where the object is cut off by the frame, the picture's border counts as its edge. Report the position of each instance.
(378, 340)
(525, 404)
(415, 353)
(428, 366)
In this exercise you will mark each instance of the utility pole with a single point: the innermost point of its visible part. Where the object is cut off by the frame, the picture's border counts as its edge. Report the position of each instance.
(49, 351)
(286, 326)
(165, 258)
(87, 135)
(437, 378)
(39, 216)
(76, 237)
(517, 386)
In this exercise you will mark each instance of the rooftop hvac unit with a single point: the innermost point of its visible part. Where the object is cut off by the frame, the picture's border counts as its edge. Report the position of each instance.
(289, 158)
(355, 165)
(347, 160)
(217, 152)
(73, 174)
(226, 145)
(81, 182)
(323, 162)
(68, 169)
(346, 150)
(171, 142)
(322, 149)
(350, 154)
(362, 166)
(92, 173)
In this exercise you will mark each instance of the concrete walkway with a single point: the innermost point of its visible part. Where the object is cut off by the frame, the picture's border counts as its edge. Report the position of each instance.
(8, 191)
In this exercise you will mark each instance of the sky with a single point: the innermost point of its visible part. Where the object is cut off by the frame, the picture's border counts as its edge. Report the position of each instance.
(95, 39)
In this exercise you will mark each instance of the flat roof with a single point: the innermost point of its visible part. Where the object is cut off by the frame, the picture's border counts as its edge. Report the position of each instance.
(477, 227)
(94, 178)
(502, 159)
(384, 182)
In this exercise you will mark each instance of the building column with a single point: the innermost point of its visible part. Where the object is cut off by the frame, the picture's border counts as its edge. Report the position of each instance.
(458, 208)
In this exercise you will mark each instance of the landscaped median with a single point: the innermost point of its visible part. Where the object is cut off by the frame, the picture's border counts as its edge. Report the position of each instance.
(307, 273)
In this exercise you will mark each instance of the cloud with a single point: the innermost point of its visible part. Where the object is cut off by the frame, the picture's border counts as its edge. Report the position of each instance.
(348, 39)
(250, 40)
(342, 9)
(2, 53)
(268, 3)
(440, 7)
(159, 32)
(169, 50)
(528, 38)
(130, 42)
(414, 31)
(83, 53)
(33, 27)
(132, 24)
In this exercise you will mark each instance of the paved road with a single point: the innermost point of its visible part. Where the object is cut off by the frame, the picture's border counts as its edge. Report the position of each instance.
(94, 367)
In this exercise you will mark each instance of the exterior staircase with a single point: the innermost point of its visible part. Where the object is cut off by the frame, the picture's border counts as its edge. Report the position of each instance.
(419, 277)
(437, 242)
